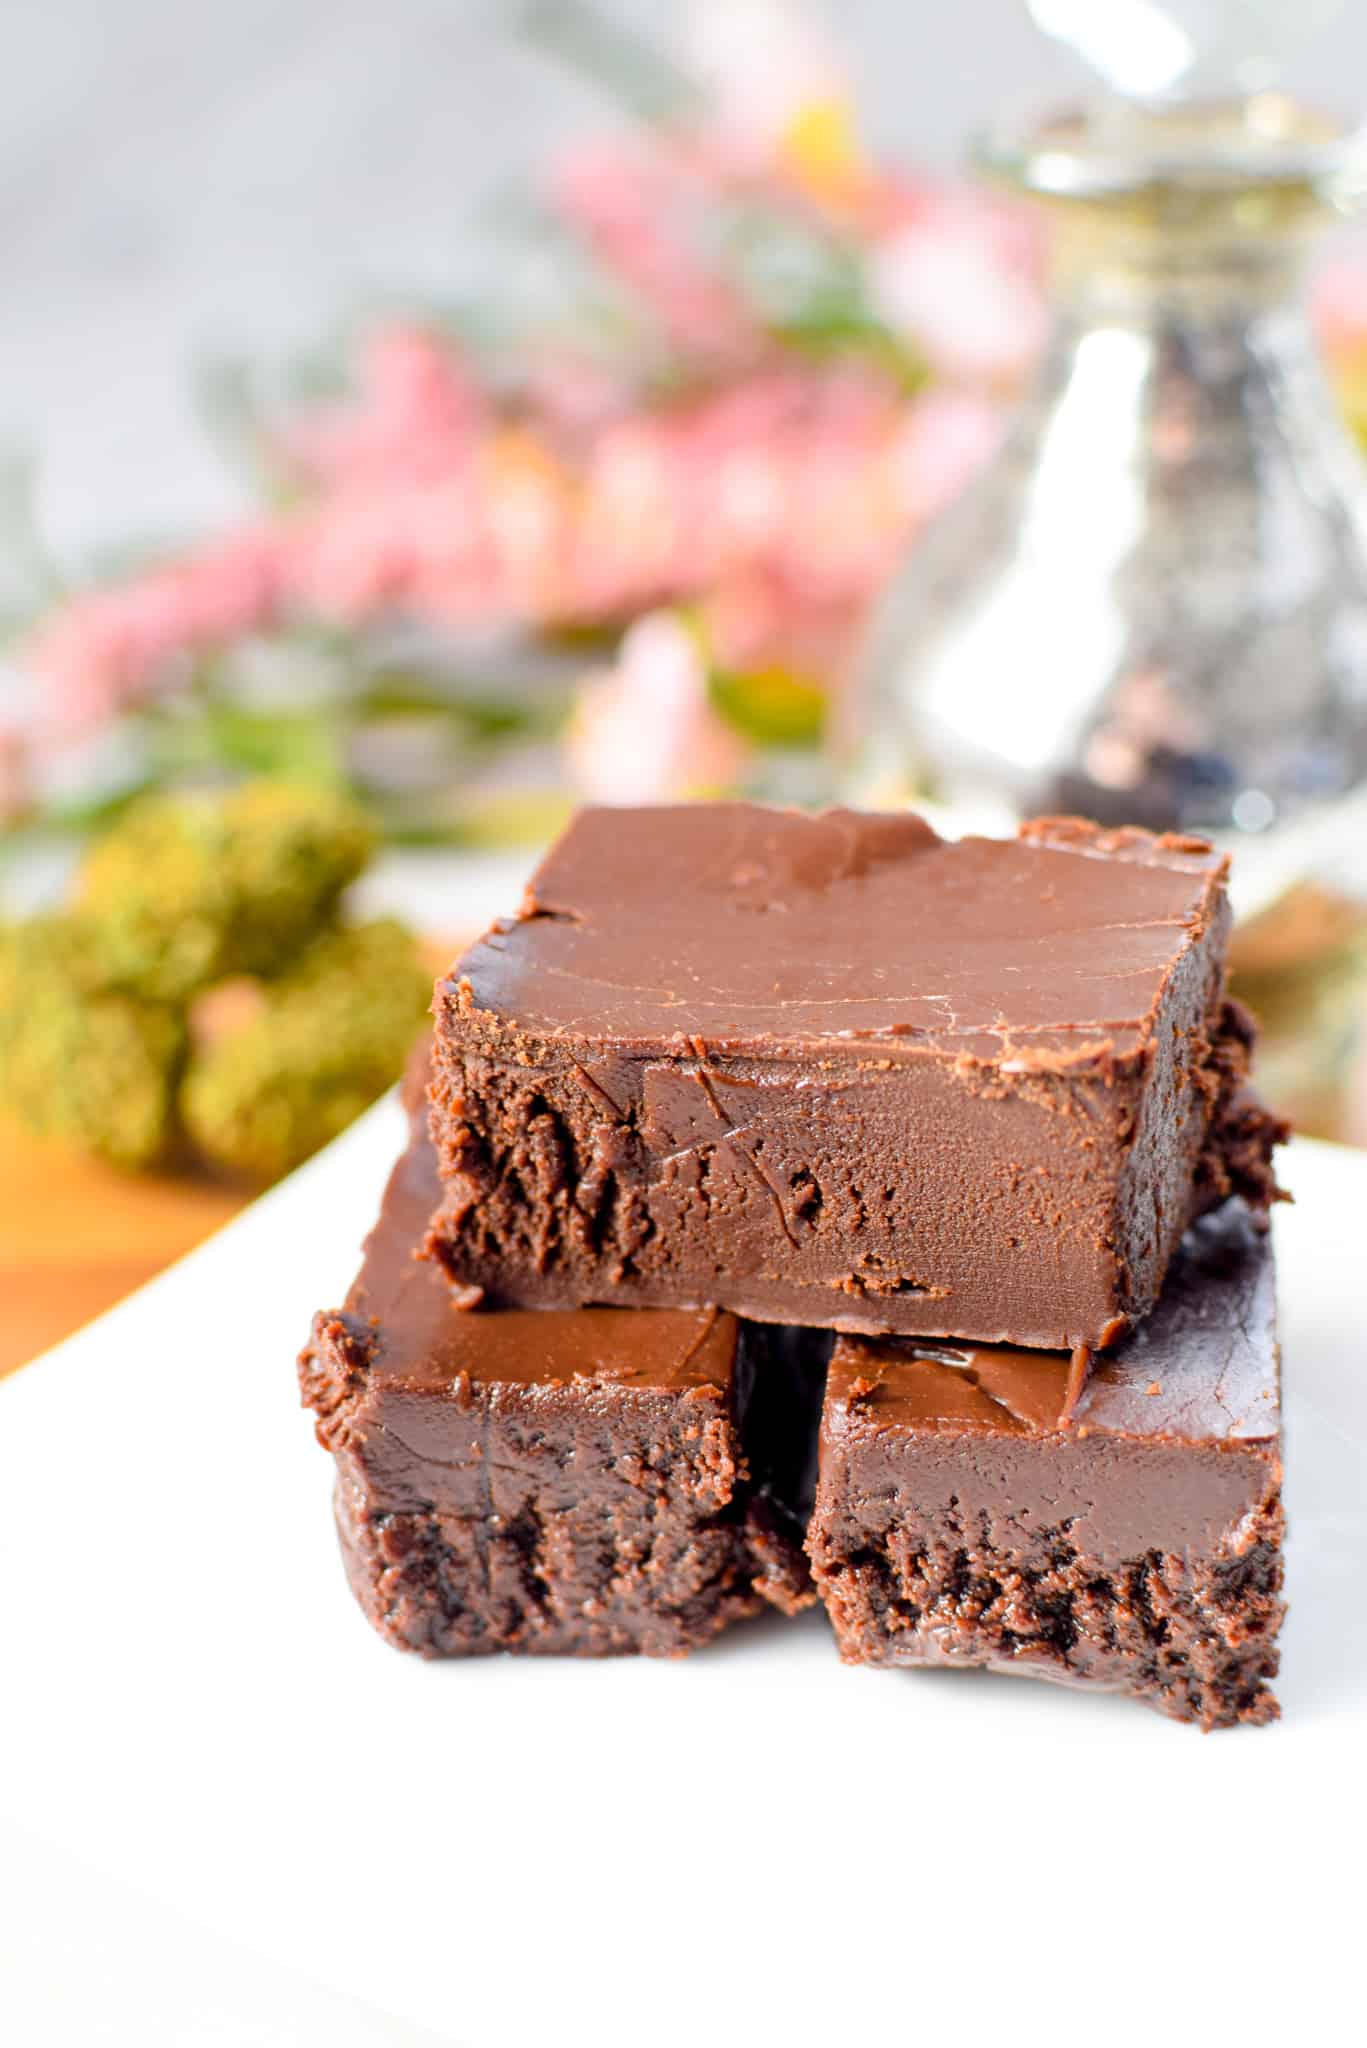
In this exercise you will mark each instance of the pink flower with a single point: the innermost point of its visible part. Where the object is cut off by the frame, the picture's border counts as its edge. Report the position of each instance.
(644, 731)
(107, 648)
(523, 496)
(416, 414)
(1339, 305)
(758, 619)
(947, 438)
(571, 397)
(763, 64)
(959, 277)
(628, 208)
(357, 554)
(630, 542)
(782, 498)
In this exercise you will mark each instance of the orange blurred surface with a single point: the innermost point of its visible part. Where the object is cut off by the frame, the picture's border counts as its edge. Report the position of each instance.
(77, 1235)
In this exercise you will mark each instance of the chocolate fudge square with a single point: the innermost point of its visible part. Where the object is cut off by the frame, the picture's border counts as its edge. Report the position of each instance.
(836, 1071)
(571, 1482)
(1138, 1551)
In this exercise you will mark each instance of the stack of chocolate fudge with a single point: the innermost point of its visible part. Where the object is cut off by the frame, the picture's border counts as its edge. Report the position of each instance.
(806, 1207)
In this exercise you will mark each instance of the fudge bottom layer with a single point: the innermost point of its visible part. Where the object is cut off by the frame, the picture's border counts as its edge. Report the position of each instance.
(571, 1482)
(1139, 1551)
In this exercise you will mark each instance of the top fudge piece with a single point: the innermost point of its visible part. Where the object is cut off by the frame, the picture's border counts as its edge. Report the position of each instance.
(834, 1070)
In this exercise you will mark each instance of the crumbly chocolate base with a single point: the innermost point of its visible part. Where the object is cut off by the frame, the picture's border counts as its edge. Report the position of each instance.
(1236, 1157)
(419, 1579)
(575, 1519)
(1195, 1639)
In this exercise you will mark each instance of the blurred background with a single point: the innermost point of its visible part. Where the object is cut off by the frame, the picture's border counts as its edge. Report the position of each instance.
(418, 418)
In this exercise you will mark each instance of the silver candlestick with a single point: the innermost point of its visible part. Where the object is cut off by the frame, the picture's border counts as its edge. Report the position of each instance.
(1152, 606)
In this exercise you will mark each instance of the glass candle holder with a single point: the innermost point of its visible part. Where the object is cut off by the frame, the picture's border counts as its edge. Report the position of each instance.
(1152, 606)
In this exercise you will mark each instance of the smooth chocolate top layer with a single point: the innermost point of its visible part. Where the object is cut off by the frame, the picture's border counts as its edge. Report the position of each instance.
(1175, 1447)
(731, 924)
(423, 1340)
(1202, 1368)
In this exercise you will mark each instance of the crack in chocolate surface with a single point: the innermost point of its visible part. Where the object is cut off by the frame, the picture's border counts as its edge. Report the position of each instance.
(847, 883)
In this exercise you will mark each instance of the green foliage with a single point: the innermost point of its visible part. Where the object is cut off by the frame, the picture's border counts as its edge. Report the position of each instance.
(79, 1059)
(837, 330)
(104, 1041)
(771, 706)
(186, 890)
(324, 1041)
(217, 737)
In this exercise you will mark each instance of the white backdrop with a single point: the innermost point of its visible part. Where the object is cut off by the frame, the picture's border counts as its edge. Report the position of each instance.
(235, 173)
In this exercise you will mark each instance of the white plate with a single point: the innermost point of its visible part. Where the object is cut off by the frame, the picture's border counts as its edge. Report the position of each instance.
(755, 1843)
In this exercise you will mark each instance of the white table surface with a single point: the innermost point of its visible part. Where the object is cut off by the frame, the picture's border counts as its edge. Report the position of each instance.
(225, 1804)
